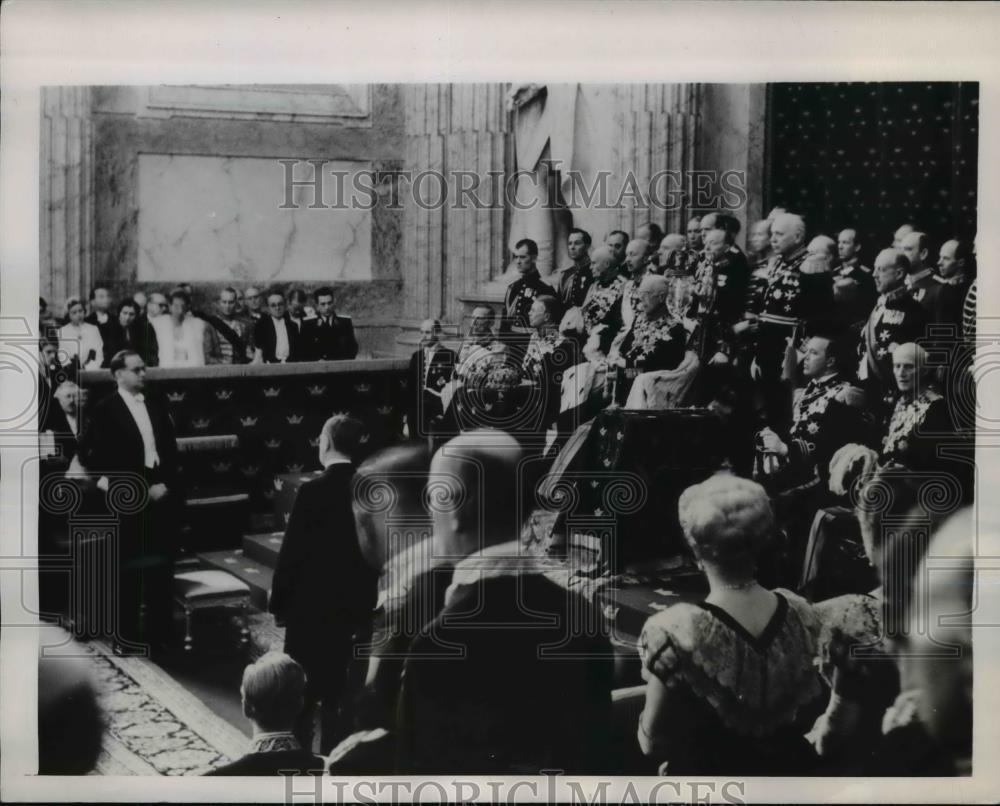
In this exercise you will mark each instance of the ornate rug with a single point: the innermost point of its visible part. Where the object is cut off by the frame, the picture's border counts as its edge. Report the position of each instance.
(154, 726)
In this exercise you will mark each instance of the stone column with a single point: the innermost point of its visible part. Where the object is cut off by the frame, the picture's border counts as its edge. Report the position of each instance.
(66, 195)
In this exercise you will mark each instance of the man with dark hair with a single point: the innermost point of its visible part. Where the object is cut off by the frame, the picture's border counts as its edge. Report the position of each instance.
(273, 694)
(129, 441)
(431, 367)
(276, 339)
(233, 330)
(323, 591)
(329, 337)
(694, 240)
(652, 234)
(617, 242)
(48, 372)
(254, 305)
(549, 354)
(100, 316)
(853, 287)
(297, 313)
(573, 281)
(921, 281)
(522, 292)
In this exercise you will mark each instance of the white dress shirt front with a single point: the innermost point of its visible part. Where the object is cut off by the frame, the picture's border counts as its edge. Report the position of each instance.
(281, 347)
(136, 405)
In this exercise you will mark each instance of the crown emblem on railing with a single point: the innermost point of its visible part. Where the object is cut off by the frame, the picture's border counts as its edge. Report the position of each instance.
(222, 467)
(223, 394)
(314, 442)
(269, 494)
(363, 439)
(250, 471)
(273, 443)
(362, 388)
(293, 468)
(278, 483)
(294, 419)
(175, 397)
(316, 390)
(201, 424)
(384, 410)
(248, 422)
(272, 391)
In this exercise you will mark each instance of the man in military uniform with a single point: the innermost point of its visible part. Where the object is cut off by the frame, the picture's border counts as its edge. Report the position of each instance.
(602, 306)
(548, 356)
(522, 292)
(672, 255)
(921, 281)
(720, 297)
(655, 341)
(796, 295)
(896, 319)
(955, 276)
(635, 263)
(617, 242)
(848, 250)
(853, 287)
(573, 281)
(794, 465)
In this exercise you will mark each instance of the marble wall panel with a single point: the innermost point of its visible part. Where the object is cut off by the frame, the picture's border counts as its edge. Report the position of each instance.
(223, 218)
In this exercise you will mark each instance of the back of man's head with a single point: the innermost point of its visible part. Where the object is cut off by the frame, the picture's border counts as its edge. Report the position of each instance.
(388, 484)
(473, 493)
(273, 691)
(343, 434)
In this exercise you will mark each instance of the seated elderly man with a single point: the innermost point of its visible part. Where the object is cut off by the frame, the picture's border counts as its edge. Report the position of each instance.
(672, 255)
(273, 694)
(602, 307)
(528, 689)
(656, 340)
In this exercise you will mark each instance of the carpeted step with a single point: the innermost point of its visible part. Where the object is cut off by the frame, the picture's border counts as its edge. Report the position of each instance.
(257, 575)
(263, 547)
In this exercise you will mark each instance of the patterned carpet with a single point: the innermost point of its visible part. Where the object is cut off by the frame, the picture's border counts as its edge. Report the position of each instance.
(157, 727)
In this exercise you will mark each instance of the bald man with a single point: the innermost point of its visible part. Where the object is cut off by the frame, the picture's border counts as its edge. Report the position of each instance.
(900, 234)
(535, 709)
(655, 341)
(431, 367)
(897, 318)
(853, 292)
(672, 255)
(720, 298)
(602, 306)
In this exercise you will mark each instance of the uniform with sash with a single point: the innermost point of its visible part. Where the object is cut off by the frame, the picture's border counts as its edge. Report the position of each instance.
(720, 289)
(650, 345)
(572, 283)
(896, 319)
(603, 307)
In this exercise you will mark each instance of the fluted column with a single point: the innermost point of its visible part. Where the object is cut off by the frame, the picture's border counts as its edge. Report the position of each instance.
(66, 194)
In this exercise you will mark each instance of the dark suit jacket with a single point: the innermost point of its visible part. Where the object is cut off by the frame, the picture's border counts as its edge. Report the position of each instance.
(112, 443)
(66, 440)
(333, 342)
(301, 761)
(265, 339)
(322, 586)
(425, 406)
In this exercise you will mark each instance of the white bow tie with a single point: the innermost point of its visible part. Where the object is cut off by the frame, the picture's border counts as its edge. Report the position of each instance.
(140, 398)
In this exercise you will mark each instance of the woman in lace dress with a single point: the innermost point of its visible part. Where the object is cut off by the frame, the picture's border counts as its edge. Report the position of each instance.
(732, 684)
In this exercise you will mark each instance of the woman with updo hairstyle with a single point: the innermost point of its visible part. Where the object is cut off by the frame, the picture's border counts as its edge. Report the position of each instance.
(732, 686)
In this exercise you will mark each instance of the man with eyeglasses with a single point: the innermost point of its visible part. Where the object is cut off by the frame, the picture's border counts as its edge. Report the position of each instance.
(276, 339)
(129, 446)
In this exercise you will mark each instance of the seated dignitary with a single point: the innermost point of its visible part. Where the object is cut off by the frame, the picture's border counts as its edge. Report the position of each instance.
(329, 337)
(79, 341)
(656, 341)
(479, 338)
(63, 422)
(184, 340)
(737, 670)
(529, 686)
(130, 331)
(233, 330)
(276, 340)
(323, 592)
(431, 367)
(636, 266)
(919, 426)
(825, 416)
(273, 695)
(896, 318)
(129, 444)
(572, 282)
(548, 356)
(602, 307)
